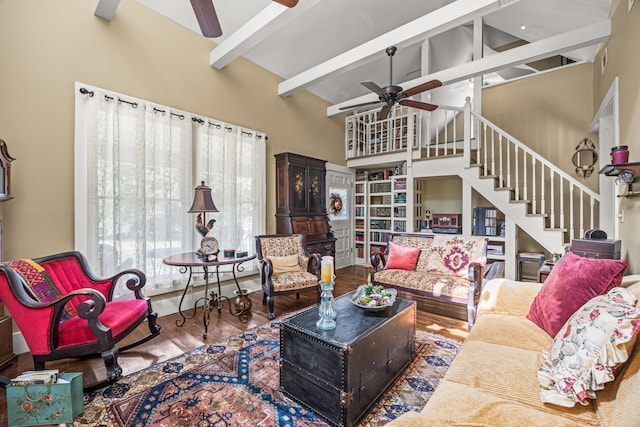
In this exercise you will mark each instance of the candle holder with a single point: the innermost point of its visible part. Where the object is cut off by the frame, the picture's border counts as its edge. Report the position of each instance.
(334, 314)
(326, 310)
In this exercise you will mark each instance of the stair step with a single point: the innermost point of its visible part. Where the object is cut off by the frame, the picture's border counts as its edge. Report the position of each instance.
(542, 215)
(520, 201)
(504, 189)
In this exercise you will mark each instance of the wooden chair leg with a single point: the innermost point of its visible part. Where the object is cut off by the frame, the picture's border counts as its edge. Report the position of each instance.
(271, 304)
(110, 357)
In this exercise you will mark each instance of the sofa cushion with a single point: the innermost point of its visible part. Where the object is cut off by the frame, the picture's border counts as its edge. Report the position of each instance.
(453, 254)
(504, 296)
(617, 404)
(435, 283)
(294, 280)
(424, 243)
(508, 375)
(510, 331)
(402, 257)
(454, 404)
(589, 348)
(573, 281)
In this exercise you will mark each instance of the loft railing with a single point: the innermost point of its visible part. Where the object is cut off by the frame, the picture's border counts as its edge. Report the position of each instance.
(365, 135)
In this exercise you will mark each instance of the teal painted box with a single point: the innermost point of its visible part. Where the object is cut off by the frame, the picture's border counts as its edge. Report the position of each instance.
(36, 404)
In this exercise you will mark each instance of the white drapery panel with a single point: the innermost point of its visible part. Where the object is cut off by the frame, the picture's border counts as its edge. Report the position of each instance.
(135, 175)
(231, 161)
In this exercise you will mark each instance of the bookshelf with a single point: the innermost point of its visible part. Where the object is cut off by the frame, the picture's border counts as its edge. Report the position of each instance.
(489, 221)
(360, 217)
(399, 190)
(379, 209)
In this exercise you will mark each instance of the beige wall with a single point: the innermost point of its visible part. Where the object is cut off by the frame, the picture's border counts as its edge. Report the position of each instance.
(48, 45)
(624, 62)
(550, 112)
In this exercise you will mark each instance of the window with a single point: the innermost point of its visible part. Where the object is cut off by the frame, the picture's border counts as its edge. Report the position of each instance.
(136, 166)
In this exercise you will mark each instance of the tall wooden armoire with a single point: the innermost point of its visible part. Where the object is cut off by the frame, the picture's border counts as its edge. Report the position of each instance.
(6, 324)
(301, 201)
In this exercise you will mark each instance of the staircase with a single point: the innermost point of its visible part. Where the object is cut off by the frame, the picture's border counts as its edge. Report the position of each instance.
(544, 201)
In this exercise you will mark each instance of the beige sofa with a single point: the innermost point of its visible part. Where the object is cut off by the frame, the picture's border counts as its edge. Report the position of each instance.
(493, 380)
(447, 272)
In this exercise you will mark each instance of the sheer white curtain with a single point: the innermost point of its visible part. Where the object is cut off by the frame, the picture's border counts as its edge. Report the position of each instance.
(231, 161)
(136, 165)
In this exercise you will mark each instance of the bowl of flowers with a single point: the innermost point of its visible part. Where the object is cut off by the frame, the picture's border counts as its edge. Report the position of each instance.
(373, 297)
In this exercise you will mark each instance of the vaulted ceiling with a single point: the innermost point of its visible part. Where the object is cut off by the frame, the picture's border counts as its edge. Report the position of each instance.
(329, 46)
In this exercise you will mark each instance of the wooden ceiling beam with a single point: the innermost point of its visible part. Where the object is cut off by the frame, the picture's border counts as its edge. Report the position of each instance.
(105, 9)
(554, 45)
(271, 19)
(450, 16)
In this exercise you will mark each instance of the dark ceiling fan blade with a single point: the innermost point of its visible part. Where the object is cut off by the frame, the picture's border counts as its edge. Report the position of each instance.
(288, 3)
(375, 88)
(207, 18)
(384, 111)
(417, 104)
(364, 104)
(432, 84)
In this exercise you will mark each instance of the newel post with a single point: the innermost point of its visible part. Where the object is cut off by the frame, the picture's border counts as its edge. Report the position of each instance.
(467, 131)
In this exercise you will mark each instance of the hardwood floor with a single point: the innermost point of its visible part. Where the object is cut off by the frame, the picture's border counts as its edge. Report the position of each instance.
(173, 340)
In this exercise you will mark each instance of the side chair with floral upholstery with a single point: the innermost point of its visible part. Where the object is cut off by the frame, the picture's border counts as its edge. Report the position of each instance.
(285, 267)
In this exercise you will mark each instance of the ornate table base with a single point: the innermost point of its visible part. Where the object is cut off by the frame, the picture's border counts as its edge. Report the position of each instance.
(211, 300)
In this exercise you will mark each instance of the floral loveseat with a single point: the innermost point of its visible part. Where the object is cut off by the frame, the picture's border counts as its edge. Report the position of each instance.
(512, 372)
(446, 269)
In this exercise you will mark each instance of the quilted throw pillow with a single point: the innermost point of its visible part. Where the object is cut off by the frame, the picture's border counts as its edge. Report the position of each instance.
(589, 349)
(453, 254)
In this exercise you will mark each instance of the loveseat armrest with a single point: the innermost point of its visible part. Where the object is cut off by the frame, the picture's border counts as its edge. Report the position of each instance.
(378, 261)
(474, 275)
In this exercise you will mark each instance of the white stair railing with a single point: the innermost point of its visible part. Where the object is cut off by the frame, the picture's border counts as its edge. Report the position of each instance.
(549, 192)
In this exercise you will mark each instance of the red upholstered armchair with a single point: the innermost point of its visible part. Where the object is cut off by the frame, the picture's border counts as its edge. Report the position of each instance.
(63, 310)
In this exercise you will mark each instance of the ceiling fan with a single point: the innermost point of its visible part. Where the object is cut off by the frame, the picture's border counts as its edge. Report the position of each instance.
(208, 19)
(391, 94)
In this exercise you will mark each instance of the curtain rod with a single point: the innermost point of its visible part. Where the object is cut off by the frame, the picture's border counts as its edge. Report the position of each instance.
(85, 91)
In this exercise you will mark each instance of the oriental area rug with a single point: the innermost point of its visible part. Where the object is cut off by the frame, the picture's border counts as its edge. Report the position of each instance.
(235, 383)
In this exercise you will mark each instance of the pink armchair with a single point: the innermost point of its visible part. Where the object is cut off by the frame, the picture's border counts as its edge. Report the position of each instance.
(64, 311)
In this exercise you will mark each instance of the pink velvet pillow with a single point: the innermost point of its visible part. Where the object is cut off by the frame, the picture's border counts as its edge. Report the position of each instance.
(402, 257)
(573, 282)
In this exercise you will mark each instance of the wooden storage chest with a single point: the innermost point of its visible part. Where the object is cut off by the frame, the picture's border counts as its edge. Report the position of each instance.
(340, 374)
(596, 248)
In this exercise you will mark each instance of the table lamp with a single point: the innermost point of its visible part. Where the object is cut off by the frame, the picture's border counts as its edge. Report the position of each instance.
(203, 203)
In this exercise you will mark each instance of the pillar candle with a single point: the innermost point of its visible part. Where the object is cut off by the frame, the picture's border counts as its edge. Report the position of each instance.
(325, 270)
